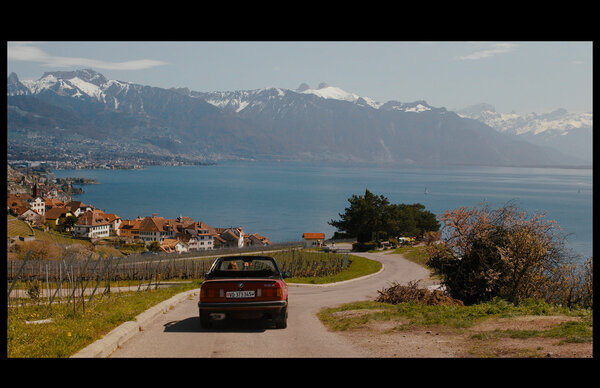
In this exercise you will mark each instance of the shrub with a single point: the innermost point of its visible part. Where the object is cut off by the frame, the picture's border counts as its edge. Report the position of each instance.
(40, 249)
(505, 253)
(397, 293)
(364, 246)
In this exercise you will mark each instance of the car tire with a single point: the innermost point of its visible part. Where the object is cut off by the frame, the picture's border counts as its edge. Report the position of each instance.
(205, 321)
(281, 320)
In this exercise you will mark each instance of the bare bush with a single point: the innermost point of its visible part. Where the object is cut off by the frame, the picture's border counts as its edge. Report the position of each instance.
(506, 253)
(411, 292)
(40, 250)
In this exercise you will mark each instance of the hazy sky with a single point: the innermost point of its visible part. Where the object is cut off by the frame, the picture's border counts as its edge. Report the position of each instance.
(521, 76)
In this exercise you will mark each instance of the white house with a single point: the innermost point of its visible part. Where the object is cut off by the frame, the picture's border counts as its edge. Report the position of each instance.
(197, 239)
(29, 215)
(312, 240)
(173, 245)
(78, 207)
(37, 204)
(92, 225)
(234, 237)
(152, 229)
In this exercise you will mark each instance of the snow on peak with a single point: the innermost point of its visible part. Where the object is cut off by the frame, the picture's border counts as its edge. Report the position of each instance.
(331, 92)
(81, 83)
(86, 87)
(559, 120)
(335, 93)
(417, 108)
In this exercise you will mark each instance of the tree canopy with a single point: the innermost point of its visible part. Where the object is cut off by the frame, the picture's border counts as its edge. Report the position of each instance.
(371, 217)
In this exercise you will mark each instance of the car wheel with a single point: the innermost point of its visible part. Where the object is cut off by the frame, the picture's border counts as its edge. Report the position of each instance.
(205, 321)
(281, 320)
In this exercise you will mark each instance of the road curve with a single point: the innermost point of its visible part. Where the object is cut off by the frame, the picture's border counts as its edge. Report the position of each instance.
(177, 333)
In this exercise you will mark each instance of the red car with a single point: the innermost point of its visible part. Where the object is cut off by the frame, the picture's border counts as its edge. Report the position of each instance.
(242, 287)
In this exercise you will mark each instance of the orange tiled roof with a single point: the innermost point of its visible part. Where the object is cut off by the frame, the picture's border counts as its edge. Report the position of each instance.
(152, 224)
(311, 236)
(131, 224)
(91, 218)
(53, 202)
(56, 212)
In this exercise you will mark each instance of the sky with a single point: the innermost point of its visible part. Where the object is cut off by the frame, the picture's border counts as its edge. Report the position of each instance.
(513, 76)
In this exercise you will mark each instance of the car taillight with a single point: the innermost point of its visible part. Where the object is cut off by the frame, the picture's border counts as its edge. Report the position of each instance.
(275, 292)
(207, 292)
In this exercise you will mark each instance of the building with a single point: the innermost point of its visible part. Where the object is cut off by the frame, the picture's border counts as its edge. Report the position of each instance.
(171, 245)
(152, 229)
(92, 225)
(15, 201)
(55, 217)
(198, 236)
(256, 239)
(115, 223)
(28, 214)
(130, 228)
(53, 202)
(312, 240)
(78, 207)
(230, 237)
(37, 204)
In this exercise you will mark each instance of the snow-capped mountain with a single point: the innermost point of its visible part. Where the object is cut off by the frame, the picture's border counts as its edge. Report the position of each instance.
(570, 133)
(240, 100)
(322, 124)
(335, 93)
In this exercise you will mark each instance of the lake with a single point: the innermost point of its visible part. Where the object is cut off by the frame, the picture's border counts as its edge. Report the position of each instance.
(283, 200)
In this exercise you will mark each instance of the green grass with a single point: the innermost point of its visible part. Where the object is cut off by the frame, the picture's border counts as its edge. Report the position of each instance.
(70, 331)
(16, 227)
(57, 237)
(410, 315)
(568, 332)
(359, 266)
(416, 254)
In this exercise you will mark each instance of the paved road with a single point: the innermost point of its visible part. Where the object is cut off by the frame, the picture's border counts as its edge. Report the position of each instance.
(178, 333)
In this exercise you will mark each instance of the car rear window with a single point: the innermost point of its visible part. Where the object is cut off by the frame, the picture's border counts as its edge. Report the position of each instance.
(246, 266)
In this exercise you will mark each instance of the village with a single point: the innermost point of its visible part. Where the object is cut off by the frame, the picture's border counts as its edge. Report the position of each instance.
(44, 205)
(181, 234)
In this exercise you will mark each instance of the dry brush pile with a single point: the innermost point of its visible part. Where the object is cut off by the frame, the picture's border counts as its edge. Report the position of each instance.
(397, 293)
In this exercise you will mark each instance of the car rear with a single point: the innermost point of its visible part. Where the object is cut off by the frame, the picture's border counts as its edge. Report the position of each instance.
(241, 297)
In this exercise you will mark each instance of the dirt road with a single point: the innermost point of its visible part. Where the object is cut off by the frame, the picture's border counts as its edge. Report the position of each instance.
(178, 333)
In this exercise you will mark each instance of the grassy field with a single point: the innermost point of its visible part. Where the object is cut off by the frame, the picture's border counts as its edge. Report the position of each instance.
(359, 266)
(74, 327)
(415, 254)
(495, 329)
(16, 227)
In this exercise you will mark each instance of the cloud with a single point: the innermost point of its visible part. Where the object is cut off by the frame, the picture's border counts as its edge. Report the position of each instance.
(496, 49)
(25, 52)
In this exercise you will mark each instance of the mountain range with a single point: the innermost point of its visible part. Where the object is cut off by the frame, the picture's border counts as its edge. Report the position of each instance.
(325, 124)
(570, 133)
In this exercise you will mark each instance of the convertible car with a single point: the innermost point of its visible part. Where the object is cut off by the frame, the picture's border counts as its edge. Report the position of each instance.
(244, 287)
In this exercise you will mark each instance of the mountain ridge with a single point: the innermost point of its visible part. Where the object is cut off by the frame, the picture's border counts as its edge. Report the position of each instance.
(570, 133)
(267, 123)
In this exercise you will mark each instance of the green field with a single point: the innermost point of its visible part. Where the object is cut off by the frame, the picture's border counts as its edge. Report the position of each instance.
(16, 227)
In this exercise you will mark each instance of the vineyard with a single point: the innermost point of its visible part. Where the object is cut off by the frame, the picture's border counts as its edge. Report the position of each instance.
(75, 278)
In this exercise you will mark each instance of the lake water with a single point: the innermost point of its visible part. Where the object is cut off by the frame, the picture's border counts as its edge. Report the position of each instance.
(284, 200)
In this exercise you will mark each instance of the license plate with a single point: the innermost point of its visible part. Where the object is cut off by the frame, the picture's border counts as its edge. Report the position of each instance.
(240, 294)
